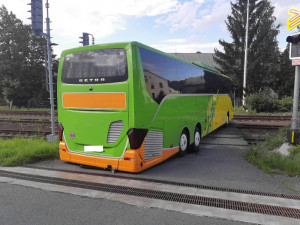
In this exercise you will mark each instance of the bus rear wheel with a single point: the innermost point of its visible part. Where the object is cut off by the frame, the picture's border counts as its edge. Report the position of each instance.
(197, 139)
(183, 143)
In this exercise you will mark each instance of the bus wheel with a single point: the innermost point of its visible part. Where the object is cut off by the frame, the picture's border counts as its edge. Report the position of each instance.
(183, 143)
(197, 138)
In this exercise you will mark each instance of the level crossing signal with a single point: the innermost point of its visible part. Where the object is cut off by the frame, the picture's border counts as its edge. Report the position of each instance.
(85, 39)
(294, 41)
(36, 16)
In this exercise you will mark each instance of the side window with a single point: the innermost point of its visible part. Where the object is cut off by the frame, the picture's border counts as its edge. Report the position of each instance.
(158, 71)
(165, 75)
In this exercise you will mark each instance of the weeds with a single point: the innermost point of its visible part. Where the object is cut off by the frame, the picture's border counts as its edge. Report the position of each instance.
(271, 161)
(19, 151)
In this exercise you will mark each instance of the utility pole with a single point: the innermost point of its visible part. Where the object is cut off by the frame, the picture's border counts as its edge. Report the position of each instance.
(52, 137)
(37, 29)
(246, 58)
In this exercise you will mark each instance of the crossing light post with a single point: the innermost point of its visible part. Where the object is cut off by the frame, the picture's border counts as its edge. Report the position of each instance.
(293, 133)
(36, 17)
(85, 39)
(37, 29)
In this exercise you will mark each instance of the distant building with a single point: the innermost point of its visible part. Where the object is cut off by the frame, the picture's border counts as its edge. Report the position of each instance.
(204, 58)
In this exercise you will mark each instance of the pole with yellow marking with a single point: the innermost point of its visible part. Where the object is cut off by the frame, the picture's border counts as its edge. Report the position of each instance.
(246, 58)
(294, 41)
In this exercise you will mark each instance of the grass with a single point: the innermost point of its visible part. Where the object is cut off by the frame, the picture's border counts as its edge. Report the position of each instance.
(241, 111)
(19, 151)
(263, 156)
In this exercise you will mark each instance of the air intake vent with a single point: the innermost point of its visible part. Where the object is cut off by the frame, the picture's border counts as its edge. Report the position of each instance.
(153, 145)
(114, 131)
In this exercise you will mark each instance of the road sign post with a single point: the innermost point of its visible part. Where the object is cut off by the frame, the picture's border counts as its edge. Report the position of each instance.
(293, 133)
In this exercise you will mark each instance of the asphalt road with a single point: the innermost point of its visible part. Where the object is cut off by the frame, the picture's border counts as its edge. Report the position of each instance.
(220, 162)
(28, 206)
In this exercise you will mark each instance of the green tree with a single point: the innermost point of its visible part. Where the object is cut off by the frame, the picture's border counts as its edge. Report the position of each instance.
(284, 83)
(22, 63)
(263, 53)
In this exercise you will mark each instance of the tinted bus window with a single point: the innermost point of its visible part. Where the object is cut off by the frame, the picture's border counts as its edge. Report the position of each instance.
(96, 66)
(164, 75)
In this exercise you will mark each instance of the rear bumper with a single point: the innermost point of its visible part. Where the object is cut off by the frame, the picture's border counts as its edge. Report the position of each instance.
(130, 162)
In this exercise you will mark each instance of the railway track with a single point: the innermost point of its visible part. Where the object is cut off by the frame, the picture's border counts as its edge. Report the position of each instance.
(17, 128)
(261, 118)
(30, 115)
(18, 113)
(28, 123)
(23, 133)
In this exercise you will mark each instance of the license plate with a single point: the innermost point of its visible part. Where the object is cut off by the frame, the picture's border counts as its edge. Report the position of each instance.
(91, 148)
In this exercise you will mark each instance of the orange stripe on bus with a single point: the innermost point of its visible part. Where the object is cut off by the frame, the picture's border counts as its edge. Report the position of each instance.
(94, 100)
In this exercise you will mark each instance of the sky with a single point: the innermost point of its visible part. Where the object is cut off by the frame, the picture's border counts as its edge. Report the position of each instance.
(182, 26)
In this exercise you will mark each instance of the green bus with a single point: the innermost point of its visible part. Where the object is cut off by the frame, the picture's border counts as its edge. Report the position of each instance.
(127, 106)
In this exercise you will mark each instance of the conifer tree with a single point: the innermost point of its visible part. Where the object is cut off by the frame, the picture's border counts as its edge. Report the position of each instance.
(263, 52)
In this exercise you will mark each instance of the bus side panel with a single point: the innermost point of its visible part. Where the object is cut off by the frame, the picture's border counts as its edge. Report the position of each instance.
(221, 105)
(178, 112)
(144, 107)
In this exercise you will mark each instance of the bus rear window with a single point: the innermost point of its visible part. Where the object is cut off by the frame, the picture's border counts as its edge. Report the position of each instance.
(96, 66)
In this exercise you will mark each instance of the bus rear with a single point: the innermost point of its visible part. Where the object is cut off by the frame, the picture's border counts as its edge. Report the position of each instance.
(127, 106)
(93, 105)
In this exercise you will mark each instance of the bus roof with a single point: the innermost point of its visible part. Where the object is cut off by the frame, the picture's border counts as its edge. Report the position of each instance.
(135, 43)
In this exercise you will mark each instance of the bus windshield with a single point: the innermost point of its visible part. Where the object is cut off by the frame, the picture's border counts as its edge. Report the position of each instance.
(95, 66)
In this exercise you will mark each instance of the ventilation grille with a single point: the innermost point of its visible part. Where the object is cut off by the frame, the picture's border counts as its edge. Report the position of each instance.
(153, 145)
(114, 131)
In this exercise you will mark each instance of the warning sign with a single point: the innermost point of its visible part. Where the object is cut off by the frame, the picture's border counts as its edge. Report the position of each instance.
(296, 62)
(294, 20)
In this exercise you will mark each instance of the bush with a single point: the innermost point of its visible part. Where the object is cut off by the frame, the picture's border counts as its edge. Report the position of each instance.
(284, 105)
(261, 103)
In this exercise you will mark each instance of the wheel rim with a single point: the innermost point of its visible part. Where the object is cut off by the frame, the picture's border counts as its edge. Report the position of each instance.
(197, 139)
(227, 119)
(183, 142)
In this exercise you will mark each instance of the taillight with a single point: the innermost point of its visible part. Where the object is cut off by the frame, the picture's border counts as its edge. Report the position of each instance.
(136, 137)
(60, 131)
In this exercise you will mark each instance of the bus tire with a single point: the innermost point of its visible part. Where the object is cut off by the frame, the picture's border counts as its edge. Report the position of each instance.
(197, 139)
(183, 143)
